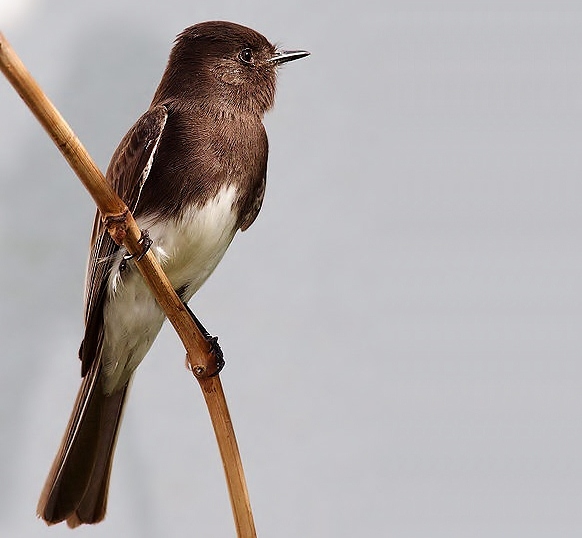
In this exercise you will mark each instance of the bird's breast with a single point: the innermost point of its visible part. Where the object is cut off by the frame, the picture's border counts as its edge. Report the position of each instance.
(190, 246)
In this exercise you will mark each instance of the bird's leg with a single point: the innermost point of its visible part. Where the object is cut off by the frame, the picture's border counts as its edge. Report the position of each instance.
(212, 340)
(145, 243)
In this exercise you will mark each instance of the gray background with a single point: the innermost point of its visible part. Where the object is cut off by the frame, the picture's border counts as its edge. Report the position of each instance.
(402, 323)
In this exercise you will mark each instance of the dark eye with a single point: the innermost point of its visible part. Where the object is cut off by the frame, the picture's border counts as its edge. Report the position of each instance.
(246, 56)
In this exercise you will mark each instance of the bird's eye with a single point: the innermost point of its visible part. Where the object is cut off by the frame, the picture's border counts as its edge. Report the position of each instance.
(246, 56)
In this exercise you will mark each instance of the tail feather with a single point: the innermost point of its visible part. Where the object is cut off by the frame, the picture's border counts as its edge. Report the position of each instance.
(77, 484)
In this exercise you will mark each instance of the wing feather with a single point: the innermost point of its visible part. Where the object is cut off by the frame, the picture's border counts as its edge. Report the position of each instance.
(127, 173)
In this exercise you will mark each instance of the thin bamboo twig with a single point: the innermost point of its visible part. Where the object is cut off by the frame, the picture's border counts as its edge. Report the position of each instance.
(199, 358)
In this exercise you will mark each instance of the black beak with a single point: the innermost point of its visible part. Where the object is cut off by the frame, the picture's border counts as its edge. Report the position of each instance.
(283, 56)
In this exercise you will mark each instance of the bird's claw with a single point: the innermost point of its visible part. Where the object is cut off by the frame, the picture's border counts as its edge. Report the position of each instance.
(216, 351)
(200, 370)
(213, 346)
(145, 242)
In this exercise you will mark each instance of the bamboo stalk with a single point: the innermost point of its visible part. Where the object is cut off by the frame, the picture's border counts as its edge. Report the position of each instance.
(199, 358)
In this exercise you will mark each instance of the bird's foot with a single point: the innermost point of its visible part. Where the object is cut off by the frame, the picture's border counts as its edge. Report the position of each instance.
(214, 347)
(217, 353)
(145, 243)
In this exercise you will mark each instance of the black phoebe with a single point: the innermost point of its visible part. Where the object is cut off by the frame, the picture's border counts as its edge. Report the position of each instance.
(192, 170)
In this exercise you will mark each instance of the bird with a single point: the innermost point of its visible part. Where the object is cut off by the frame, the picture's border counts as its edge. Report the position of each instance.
(192, 170)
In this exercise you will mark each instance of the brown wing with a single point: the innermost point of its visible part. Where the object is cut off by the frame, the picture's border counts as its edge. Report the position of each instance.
(255, 204)
(127, 173)
(253, 200)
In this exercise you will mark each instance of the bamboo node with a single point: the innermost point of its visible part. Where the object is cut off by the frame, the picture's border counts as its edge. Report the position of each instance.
(116, 225)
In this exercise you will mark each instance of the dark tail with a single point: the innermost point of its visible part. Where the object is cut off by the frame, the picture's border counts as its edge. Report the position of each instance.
(77, 485)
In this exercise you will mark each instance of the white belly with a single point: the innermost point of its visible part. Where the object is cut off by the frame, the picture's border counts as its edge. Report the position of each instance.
(188, 250)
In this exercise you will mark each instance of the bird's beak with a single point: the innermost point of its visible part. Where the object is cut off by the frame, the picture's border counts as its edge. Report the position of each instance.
(283, 56)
